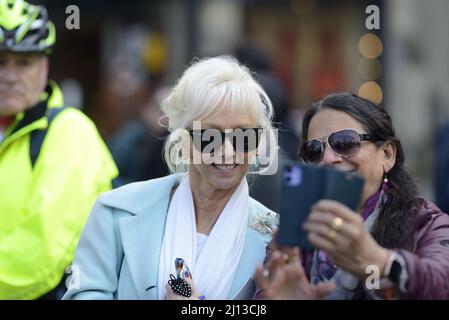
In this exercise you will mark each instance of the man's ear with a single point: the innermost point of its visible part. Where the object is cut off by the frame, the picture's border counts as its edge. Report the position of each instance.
(389, 152)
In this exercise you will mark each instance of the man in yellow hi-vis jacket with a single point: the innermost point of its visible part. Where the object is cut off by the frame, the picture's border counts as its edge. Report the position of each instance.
(53, 162)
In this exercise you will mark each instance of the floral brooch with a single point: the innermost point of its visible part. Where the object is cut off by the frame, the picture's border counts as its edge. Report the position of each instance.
(265, 223)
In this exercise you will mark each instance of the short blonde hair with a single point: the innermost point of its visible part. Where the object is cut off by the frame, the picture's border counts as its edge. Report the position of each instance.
(209, 86)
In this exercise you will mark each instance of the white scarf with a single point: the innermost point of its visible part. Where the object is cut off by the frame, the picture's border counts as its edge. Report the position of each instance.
(213, 269)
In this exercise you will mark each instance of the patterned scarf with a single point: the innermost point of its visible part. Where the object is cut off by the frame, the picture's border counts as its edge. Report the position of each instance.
(323, 268)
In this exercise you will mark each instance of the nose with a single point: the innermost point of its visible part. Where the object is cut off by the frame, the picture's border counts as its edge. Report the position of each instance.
(8, 71)
(228, 151)
(330, 157)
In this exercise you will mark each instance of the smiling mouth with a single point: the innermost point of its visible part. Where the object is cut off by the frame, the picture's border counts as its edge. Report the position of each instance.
(224, 167)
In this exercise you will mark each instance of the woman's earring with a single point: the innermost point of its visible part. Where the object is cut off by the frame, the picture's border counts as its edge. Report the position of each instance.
(185, 163)
(256, 162)
(385, 183)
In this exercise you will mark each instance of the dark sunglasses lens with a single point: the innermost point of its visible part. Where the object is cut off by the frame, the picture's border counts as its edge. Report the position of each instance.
(206, 140)
(346, 142)
(197, 139)
(246, 140)
(312, 151)
(209, 140)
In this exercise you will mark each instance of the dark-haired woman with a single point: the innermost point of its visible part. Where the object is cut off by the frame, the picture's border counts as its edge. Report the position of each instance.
(395, 246)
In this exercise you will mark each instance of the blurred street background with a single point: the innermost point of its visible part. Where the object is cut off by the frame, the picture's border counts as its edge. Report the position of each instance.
(122, 61)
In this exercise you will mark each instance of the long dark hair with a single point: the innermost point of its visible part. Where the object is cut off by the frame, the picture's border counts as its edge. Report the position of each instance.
(394, 227)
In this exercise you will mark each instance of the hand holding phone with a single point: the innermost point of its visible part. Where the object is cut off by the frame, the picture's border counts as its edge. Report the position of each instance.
(302, 186)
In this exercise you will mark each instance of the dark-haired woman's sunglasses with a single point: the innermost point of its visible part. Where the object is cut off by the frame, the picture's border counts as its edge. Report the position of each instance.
(209, 140)
(345, 143)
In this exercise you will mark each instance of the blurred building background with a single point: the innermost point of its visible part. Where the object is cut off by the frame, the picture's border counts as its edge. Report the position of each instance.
(118, 65)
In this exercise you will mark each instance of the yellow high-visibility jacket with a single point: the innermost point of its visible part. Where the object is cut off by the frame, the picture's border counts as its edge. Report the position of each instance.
(44, 204)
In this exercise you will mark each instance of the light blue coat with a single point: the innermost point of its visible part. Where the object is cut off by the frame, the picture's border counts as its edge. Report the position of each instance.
(118, 253)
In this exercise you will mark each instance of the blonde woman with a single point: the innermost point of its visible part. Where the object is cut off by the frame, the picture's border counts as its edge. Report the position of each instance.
(201, 216)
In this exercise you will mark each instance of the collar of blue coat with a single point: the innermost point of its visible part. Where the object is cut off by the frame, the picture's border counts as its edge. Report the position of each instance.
(147, 202)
